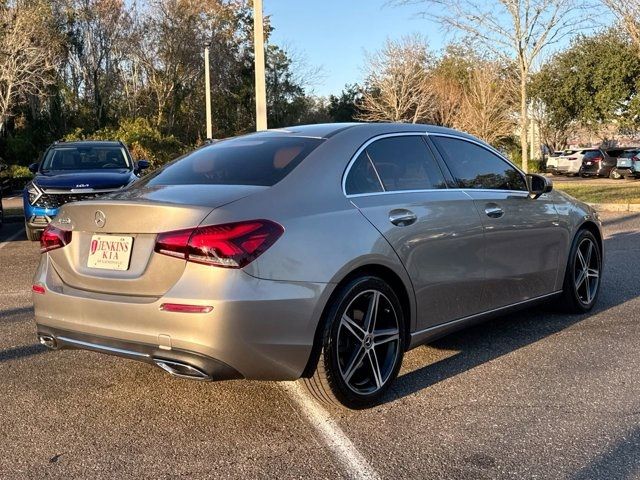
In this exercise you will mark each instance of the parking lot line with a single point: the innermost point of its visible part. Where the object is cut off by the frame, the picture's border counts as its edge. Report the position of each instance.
(342, 447)
(10, 239)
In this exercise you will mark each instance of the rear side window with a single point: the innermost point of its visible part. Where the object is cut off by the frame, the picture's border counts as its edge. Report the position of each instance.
(395, 164)
(476, 167)
(248, 160)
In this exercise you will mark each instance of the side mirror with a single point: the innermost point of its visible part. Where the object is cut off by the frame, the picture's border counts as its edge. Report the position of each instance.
(3, 167)
(538, 185)
(142, 165)
(33, 168)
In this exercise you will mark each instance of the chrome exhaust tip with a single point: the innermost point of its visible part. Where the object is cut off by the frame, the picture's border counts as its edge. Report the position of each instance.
(182, 370)
(48, 341)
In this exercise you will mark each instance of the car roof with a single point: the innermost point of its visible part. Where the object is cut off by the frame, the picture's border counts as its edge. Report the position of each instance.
(88, 143)
(327, 130)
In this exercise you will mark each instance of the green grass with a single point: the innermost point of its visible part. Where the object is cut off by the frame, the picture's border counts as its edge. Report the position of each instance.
(624, 192)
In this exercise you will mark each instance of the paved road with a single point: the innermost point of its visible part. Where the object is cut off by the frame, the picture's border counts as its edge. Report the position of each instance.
(533, 395)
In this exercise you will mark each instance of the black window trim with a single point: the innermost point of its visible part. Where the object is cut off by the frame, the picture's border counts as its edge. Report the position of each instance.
(488, 148)
(364, 146)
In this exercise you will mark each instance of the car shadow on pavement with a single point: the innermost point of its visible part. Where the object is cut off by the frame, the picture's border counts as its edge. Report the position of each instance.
(487, 341)
(21, 352)
(618, 461)
(12, 315)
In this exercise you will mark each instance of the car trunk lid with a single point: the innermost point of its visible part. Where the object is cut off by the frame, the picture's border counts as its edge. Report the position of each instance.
(123, 229)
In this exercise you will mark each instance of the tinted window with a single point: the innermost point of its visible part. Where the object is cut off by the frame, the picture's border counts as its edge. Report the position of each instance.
(400, 163)
(476, 167)
(85, 158)
(238, 161)
(362, 177)
(629, 154)
(590, 154)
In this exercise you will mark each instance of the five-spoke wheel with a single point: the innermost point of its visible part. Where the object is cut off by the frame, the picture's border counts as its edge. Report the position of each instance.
(582, 277)
(362, 345)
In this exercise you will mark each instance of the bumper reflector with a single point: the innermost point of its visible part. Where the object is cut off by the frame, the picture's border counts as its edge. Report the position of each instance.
(37, 288)
(182, 308)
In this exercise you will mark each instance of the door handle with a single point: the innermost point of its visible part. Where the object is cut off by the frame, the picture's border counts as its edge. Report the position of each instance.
(493, 211)
(402, 217)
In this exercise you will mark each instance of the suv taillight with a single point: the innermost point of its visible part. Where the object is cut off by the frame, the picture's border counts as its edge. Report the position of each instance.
(231, 245)
(53, 237)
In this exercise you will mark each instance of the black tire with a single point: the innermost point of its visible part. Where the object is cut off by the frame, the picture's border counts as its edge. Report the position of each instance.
(32, 235)
(574, 298)
(328, 383)
(614, 174)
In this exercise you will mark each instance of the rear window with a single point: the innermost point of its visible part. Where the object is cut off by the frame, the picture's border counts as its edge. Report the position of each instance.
(629, 154)
(589, 154)
(251, 160)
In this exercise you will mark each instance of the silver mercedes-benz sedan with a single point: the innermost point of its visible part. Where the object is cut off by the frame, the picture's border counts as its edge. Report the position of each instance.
(321, 252)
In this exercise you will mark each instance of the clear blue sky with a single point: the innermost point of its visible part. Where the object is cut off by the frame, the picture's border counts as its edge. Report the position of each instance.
(334, 34)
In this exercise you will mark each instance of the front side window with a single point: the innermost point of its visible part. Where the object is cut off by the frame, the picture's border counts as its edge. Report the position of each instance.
(395, 164)
(476, 167)
(251, 160)
(85, 158)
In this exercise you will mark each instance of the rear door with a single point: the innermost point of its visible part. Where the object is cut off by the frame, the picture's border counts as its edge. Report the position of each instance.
(400, 187)
(523, 237)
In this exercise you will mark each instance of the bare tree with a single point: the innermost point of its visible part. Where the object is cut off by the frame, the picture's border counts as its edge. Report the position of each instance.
(517, 29)
(397, 86)
(489, 101)
(628, 13)
(28, 54)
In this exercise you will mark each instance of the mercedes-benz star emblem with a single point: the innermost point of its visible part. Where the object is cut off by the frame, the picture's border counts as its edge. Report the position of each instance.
(100, 218)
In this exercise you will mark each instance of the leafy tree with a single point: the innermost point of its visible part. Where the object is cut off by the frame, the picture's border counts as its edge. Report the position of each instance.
(346, 106)
(594, 83)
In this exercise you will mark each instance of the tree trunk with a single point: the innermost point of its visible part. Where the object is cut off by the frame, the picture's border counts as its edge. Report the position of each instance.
(524, 122)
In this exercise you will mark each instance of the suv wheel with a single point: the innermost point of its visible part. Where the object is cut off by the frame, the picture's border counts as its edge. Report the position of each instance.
(582, 278)
(362, 345)
(615, 174)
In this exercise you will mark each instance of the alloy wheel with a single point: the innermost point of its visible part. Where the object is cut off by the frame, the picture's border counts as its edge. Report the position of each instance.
(587, 271)
(368, 342)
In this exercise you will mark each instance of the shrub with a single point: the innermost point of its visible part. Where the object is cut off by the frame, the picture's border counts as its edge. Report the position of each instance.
(143, 140)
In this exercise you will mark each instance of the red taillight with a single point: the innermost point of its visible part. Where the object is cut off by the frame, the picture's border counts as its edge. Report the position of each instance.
(37, 288)
(232, 245)
(53, 238)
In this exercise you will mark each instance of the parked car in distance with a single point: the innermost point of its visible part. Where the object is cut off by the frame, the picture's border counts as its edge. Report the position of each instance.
(628, 165)
(566, 164)
(75, 171)
(597, 163)
(323, 252)
(3, 168)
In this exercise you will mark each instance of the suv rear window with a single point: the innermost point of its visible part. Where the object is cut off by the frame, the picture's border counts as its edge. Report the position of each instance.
(252, 160)
(589, 154)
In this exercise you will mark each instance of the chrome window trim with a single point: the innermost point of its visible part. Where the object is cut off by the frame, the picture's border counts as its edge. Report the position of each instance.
(424, 134)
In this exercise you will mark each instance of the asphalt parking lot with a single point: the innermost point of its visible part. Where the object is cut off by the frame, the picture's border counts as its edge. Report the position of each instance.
(532, 395)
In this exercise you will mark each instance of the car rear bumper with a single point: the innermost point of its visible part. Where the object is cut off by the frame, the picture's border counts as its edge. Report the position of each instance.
(258, 329)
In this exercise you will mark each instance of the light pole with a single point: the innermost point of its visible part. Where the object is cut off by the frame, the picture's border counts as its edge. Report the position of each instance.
(207, 86)
(258, 45)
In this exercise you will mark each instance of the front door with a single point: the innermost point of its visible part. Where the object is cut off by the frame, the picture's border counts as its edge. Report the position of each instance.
(522, 235)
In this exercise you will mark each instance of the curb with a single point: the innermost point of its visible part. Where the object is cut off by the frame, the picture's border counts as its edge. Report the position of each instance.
(616, 207)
